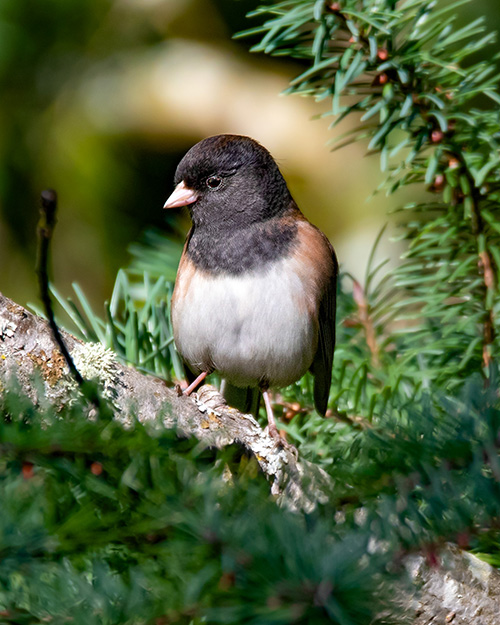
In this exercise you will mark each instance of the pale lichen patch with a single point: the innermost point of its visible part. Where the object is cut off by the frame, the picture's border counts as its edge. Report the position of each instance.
(7, 329)
(96, 362)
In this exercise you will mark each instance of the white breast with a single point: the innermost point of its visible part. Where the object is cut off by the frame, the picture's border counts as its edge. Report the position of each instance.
(250, 327)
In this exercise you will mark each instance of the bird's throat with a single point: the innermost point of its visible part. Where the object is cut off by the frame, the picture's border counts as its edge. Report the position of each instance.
(235, 251)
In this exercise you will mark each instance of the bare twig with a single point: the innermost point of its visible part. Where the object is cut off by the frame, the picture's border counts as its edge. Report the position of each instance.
(488, 325)
(367, 322)
(45, 231)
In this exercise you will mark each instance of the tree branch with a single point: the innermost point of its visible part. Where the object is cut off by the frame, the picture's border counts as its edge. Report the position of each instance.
(456, 588)
(27, 348)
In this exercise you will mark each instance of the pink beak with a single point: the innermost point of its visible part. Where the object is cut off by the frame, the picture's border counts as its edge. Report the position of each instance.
(182, 196)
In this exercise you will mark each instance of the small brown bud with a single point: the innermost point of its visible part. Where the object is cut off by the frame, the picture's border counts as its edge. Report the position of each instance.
(27, 470)
(432, 558)
(437, 136)
(335, 7)
(438, 181)
(350, 322)
(383, 54)
(96, 468)
(291, 410)
(453, 163)
(383, 78)
(226, 581)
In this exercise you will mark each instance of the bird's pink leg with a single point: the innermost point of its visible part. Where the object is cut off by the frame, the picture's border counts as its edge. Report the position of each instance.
(196, 383)
(273, 430)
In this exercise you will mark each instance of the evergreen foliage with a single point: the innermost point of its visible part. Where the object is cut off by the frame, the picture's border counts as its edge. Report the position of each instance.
(102, 524)
(412, 81)
(412, 440)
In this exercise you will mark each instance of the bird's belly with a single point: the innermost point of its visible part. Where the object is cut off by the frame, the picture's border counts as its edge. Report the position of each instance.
(251, 328)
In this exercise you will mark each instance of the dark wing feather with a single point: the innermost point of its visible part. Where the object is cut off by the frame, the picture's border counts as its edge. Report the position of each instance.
(323, 359)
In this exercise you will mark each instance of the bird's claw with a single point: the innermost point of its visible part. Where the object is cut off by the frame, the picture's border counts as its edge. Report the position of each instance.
(281, 441)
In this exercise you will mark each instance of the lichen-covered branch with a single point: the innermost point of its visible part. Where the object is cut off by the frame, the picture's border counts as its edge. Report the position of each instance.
(27, 348)
(455, 587)
(459, 589)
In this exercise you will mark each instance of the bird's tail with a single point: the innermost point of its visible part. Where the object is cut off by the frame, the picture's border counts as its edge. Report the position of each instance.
(246, 400)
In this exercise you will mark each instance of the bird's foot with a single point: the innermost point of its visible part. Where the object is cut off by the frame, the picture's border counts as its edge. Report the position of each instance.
(194, 385)
(280, 440)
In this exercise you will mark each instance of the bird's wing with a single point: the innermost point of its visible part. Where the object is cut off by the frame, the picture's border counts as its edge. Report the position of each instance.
(323, 359)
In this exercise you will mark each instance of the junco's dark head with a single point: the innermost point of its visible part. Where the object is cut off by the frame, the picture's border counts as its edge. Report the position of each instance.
(229, 180)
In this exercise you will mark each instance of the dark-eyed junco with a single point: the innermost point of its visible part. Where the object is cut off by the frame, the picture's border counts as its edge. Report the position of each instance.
(254, 297)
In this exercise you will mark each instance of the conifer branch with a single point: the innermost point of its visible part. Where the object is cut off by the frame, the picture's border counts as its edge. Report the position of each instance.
(409, 75)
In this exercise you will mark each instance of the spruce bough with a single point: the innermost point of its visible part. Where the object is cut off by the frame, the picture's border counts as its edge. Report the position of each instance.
(135, 525)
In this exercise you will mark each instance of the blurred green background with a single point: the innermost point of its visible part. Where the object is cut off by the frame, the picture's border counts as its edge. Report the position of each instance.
(101, 98)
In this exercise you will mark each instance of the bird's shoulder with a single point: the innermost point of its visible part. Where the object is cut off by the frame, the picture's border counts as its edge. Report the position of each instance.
(314, 255)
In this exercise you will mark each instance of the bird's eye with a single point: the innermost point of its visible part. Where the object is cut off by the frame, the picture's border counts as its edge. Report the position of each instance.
(214, 181)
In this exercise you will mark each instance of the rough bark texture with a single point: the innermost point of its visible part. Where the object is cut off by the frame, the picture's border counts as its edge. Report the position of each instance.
(27, 348)
(461, 590)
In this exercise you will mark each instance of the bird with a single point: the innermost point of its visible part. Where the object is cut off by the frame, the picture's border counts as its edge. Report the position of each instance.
(255, 293)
